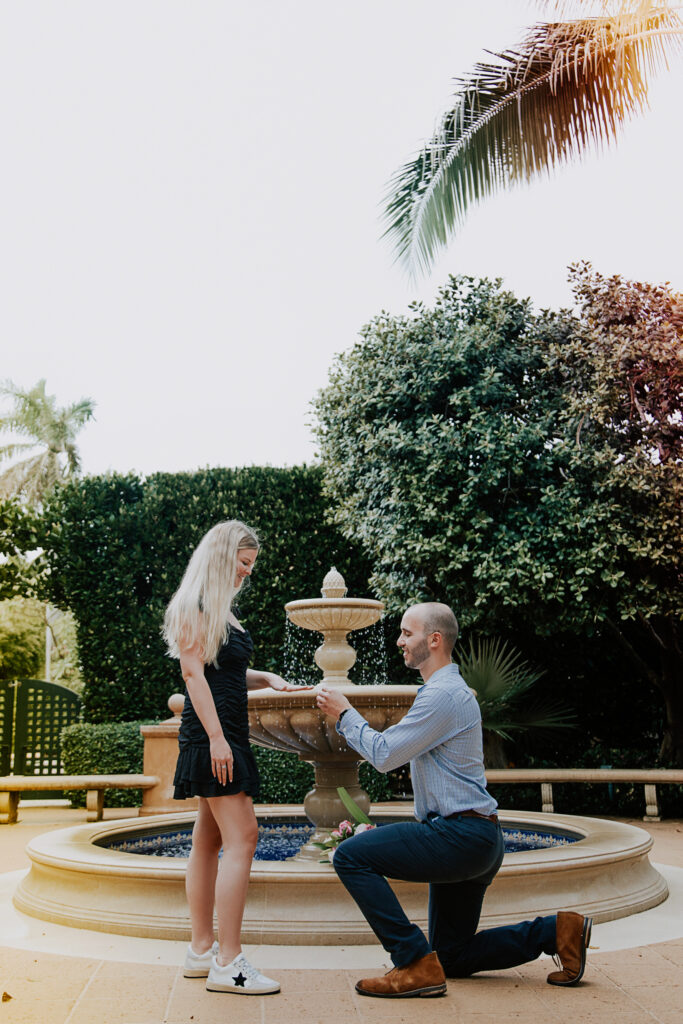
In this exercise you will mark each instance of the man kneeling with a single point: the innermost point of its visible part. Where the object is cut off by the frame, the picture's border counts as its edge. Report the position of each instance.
(456, 843)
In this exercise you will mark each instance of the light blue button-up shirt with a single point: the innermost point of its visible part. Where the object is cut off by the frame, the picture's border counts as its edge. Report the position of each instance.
(441, 738)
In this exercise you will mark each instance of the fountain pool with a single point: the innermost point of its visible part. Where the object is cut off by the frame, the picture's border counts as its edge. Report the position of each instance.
(77, 879)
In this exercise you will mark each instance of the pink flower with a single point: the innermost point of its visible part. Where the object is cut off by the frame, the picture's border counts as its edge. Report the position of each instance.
(336, 833)
(363, 828)
(345, 828)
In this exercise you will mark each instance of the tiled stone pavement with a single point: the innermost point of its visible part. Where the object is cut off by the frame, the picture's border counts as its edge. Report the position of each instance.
(635, 986)
(632, 986)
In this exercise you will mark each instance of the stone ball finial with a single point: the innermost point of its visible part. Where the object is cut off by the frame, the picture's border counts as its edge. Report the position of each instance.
(333, 584)
(175, 704)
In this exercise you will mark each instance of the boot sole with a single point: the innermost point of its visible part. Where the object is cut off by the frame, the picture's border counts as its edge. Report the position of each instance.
(585, 939)
(190, 972)
(431, 990)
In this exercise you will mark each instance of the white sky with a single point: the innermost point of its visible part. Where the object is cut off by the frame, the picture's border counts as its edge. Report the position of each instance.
(189, 211)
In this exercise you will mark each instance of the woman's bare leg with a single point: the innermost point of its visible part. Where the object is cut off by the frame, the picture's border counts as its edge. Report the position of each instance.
(200, 881)
(234, 816)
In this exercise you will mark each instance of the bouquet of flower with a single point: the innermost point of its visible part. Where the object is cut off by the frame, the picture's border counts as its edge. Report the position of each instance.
(345, 829)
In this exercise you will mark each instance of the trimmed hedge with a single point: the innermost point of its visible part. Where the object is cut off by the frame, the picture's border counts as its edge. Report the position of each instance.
(114, 748)
(286, 780)
(116, 548)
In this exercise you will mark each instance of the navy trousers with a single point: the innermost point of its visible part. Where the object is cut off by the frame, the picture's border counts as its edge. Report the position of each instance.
(459, 857)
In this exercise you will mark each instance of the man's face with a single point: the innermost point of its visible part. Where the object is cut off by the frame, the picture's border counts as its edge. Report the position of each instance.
(413, 641)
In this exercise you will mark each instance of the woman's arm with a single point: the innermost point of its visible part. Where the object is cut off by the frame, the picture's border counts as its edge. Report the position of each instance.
(259, 680)
(192, 667)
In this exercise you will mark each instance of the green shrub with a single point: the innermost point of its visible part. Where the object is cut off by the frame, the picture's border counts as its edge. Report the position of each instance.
(286, 780)
(114, 748)
(376, 784)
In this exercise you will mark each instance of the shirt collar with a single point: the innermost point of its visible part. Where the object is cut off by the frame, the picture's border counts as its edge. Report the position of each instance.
(440, 673)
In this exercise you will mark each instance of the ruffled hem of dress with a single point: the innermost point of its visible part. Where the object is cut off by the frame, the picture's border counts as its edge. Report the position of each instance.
(193, 776)
(186, 790)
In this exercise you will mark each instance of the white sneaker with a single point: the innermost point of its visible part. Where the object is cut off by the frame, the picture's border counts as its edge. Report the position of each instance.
(241, 977)
(198, 965)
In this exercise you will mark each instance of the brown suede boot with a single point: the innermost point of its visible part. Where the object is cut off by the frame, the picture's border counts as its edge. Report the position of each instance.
(573, 934)
(424, 977)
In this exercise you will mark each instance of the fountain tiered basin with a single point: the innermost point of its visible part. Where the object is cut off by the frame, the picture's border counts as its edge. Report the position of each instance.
(292, 722)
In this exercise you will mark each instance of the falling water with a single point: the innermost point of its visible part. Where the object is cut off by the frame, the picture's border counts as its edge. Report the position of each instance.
(300, 648)
(301, 645)
(371, 655)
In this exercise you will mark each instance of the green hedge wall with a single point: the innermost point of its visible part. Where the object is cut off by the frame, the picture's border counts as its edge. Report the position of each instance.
(116, 547)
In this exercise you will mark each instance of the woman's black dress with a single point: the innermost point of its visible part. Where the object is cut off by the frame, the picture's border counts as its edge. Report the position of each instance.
(228, 684)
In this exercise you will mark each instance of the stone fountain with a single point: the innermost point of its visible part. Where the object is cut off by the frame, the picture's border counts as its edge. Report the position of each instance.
(292, 721)
(76, 880)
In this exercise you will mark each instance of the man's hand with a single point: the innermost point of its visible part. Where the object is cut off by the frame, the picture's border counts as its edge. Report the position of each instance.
(331, 701)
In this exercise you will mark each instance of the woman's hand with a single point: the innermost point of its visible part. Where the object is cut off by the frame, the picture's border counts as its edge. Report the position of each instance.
(221, 759)
(278, 683)
(260, 680)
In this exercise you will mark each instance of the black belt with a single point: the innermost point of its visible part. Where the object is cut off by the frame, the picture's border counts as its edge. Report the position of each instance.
(473, 814)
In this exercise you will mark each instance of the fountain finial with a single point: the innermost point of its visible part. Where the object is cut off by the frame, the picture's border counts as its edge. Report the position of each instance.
(333, 584)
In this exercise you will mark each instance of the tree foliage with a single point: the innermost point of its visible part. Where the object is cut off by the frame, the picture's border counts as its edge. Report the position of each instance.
(117, 546)
(18, 536)
(493, 458)
(22, 639)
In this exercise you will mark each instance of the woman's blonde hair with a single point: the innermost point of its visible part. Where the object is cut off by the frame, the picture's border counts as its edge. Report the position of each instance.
(198, 611)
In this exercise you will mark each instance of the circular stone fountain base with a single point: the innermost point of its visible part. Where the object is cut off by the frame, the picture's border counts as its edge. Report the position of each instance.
(75, 882)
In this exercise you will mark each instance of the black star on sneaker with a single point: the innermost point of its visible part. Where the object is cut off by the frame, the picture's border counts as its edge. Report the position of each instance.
(240, 980)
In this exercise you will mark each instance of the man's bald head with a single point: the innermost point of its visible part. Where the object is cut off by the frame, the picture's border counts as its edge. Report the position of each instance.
(437, 618)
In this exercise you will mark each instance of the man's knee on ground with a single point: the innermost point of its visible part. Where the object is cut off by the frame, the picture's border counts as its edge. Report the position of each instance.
(454, 961)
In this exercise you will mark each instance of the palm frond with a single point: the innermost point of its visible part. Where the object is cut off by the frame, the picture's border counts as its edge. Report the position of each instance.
(570, 85)
(544, 717)
(9, 451)
(494, 669)
(31, 477)
(502, 679)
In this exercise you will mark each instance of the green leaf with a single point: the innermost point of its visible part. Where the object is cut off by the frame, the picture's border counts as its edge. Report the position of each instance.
(352, 807)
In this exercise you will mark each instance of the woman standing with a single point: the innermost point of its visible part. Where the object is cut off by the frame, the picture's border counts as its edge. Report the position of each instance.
(215, 762)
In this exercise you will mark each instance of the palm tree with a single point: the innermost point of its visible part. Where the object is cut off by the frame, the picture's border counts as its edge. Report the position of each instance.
(569, 85)
(501, 681)
(48, 428)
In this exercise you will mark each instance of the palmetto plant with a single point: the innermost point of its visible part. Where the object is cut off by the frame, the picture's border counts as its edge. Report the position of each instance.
(569, 85)
(502, 680)
(36, 417)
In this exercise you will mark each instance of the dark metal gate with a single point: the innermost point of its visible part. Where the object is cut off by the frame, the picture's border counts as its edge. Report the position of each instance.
(7, 691)
(32, 716)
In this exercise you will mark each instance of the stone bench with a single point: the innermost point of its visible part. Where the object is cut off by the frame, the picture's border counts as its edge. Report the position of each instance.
(649, 777)
(12, 786)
